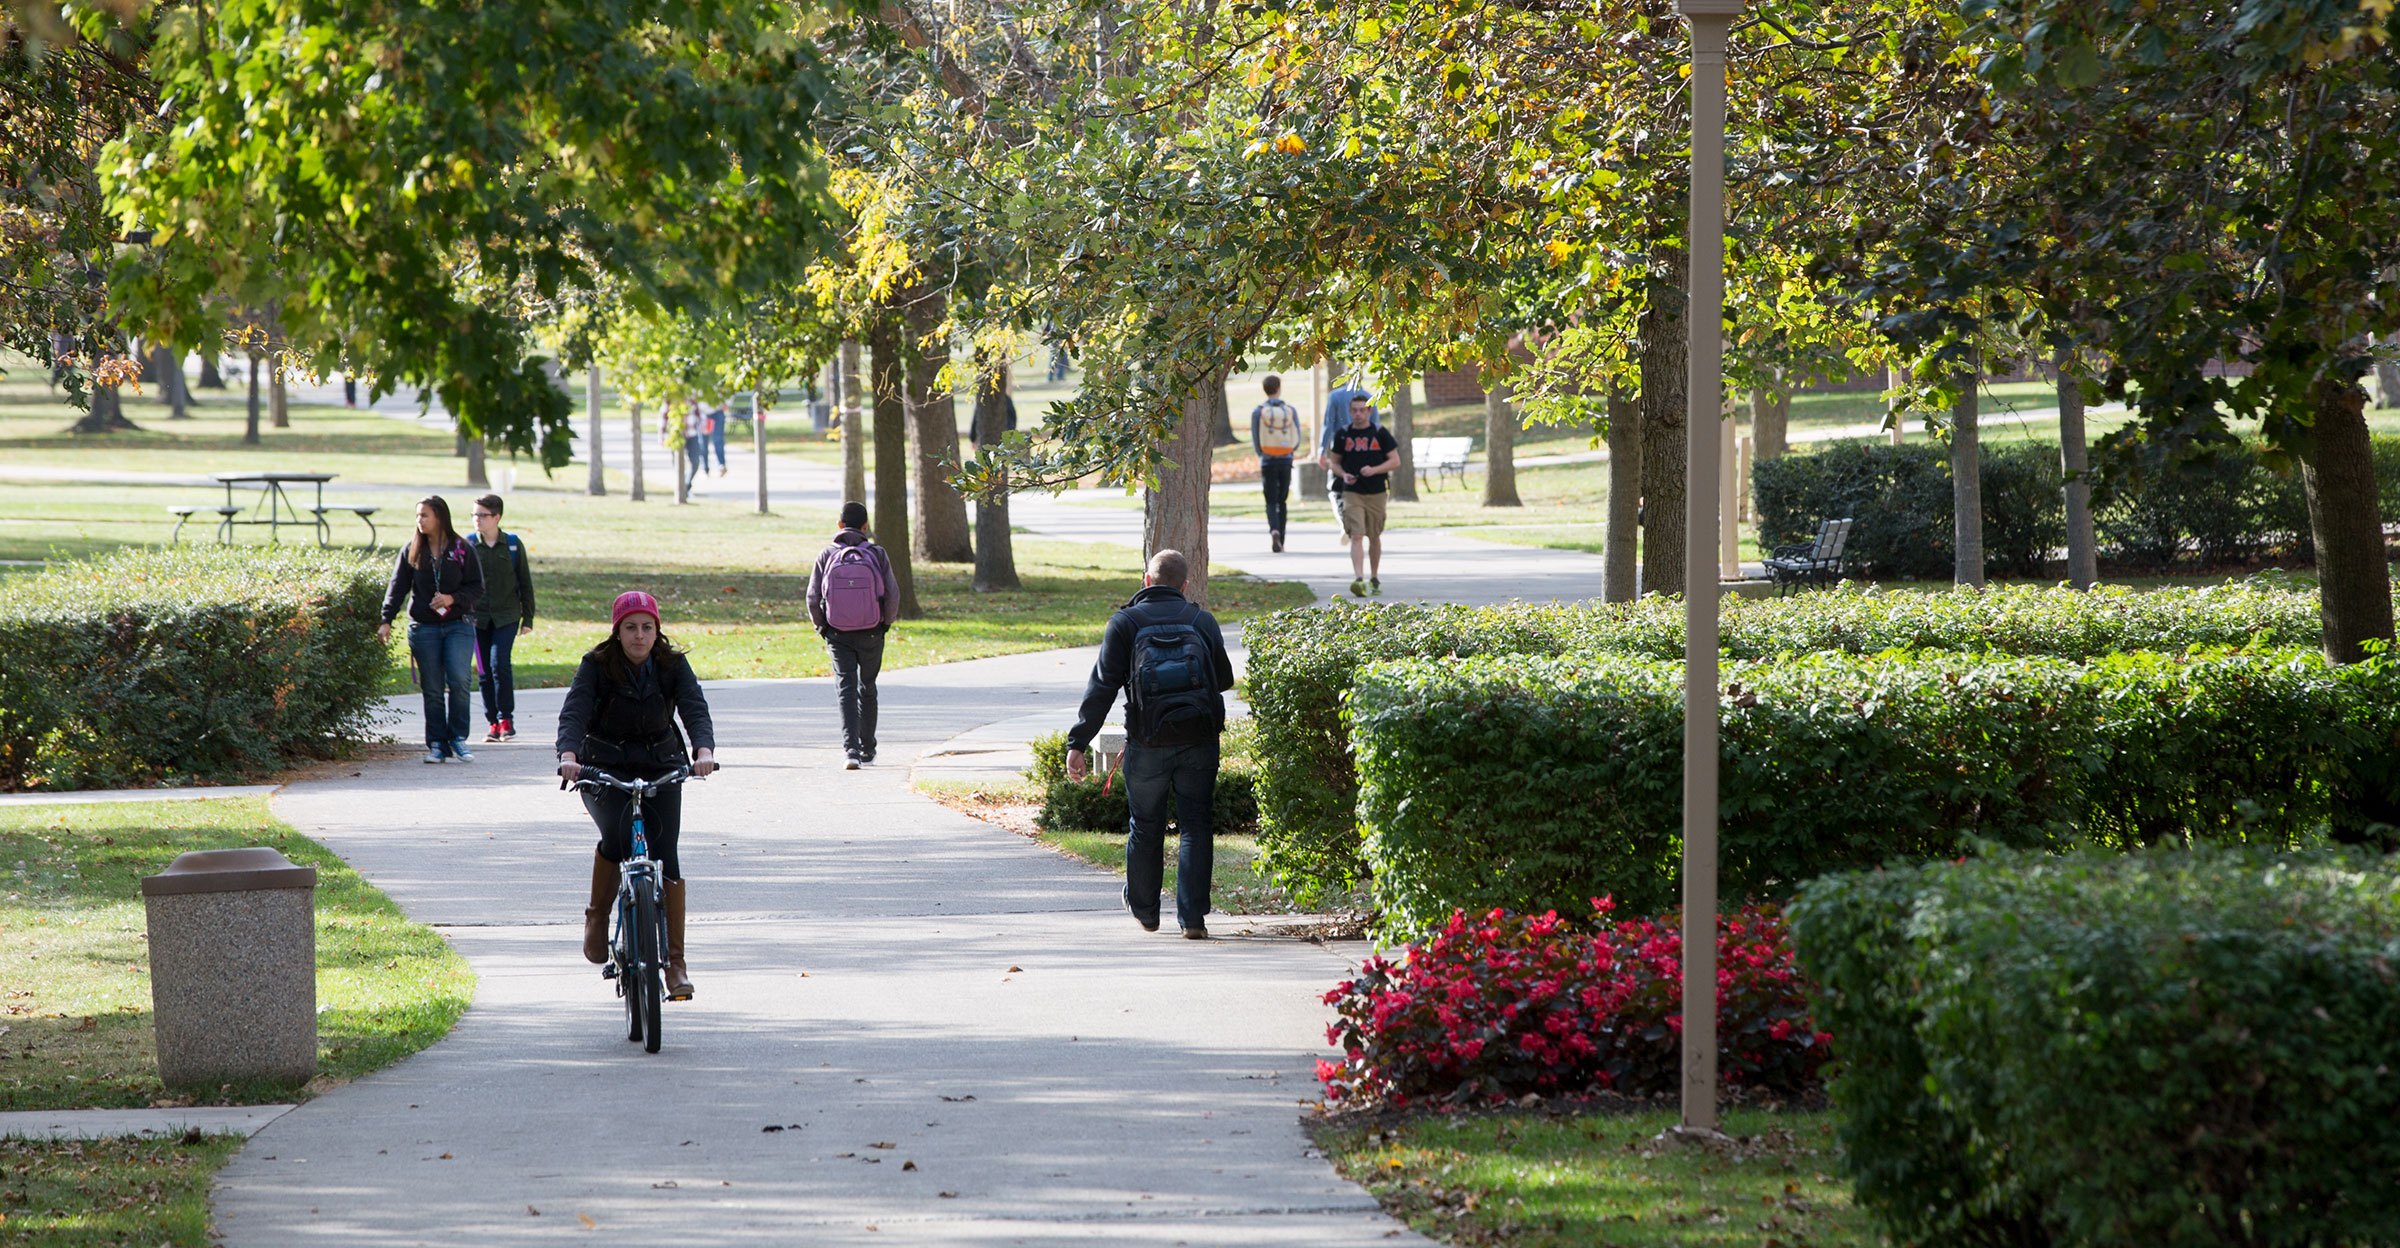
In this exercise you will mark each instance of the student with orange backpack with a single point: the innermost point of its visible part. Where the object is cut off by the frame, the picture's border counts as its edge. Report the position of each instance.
(852, 599)
(1276, 431)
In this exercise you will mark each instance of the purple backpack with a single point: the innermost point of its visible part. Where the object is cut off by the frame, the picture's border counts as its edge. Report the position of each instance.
(853, 590)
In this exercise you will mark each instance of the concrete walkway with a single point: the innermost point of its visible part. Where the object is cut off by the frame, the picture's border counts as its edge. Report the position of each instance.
(962, 1036)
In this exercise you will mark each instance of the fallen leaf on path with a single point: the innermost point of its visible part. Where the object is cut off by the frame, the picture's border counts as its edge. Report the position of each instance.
(667, 1183)
(586, 1219)
(908, 1165)
(884, 1144)
(769, 1128)
(947, 1195)
(1016, 969)
(956, 1099)
(532, 1212)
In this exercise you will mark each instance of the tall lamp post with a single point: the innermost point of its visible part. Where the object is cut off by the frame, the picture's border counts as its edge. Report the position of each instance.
(1710, 21)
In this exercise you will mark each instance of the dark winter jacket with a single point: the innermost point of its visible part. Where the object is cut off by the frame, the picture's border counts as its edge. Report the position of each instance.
(456, 572)
(507, 582)
(1154, 605)
(627, 725)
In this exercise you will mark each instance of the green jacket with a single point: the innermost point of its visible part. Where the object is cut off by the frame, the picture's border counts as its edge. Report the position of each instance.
(507, 582)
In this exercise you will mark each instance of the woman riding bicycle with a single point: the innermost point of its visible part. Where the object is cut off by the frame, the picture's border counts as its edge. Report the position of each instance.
(619, 717)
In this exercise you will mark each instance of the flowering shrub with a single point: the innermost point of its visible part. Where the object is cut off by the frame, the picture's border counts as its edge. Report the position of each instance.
(1509, 1003)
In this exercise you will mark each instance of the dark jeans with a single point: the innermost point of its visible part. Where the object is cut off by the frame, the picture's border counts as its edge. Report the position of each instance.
(695, 458)
(494, 643)
(445, 655)
(662, 824)
(1155, 776)
(1277, 474)
(857, 660)
(716, 442)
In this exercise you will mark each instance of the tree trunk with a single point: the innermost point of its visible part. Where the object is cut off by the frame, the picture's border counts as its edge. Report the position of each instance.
(758, 445)
(683, 468)
(1893, 379)
(107, 414)
(891, 454)
(278, 405)
(1175, 511)
(475, 473)
(2083, 550)
(1499, 447)
(172, 390)
(2353, 576)
(1664, 384)
(210, 378)
(250, 429)
(1770, 423)
(940, 531)
(2387, 377)
(995, 551)
(633, 414)
(1404, 427)
(1224, 405)
(1621, 547)
(1966, 480)
(595, 481)
(1310, 478)
(854, 442)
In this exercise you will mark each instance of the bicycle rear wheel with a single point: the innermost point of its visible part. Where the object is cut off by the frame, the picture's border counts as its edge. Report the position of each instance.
(627, 951)
(648, 983)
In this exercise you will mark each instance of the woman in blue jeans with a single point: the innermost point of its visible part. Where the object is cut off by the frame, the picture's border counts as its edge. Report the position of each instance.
(441, 579)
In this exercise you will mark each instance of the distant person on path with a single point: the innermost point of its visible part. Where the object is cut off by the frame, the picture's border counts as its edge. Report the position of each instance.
(853, 599)
(1276, 431)
(505, 612)
(1168, 656)
(441, 580)
(695, 443)
(619, 717)
(1359, 468)
(716, 435)
(349, 390)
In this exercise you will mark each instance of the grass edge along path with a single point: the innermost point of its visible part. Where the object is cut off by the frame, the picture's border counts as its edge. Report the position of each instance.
(72, 915)
(1562, 1176)
(71, 1193)
(77, 1032)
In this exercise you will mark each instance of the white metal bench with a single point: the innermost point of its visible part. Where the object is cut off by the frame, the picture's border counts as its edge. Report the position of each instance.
(1442, 455)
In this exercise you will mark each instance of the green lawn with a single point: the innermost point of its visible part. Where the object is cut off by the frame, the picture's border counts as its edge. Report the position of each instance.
(1527, 1180)
(106, 1193)
(77, 970)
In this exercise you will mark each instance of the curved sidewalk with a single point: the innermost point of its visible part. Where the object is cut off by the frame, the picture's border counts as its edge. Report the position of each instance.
(962, 1036)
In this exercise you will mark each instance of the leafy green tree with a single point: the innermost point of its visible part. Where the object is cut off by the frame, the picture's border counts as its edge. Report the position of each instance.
(415, 183)
(2220, 184)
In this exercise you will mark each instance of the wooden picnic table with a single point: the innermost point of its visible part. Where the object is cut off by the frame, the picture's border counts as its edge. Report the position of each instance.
(275, 506)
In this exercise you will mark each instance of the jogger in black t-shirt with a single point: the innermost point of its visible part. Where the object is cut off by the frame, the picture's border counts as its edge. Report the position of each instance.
(1360, 463)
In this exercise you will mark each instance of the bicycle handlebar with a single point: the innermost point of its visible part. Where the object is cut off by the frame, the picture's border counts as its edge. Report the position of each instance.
(597, 778)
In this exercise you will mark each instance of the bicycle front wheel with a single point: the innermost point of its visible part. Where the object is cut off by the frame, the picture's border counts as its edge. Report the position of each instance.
(649, 963)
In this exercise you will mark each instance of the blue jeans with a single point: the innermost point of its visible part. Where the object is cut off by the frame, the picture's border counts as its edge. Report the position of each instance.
(494, 643)
(716, 440)
(695, 459)
(445, 655)
(1155, 777)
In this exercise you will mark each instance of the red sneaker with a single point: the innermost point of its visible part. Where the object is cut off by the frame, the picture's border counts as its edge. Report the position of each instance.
(508, 730)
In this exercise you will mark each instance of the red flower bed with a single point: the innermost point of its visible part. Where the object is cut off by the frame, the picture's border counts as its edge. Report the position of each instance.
(1508, 1004)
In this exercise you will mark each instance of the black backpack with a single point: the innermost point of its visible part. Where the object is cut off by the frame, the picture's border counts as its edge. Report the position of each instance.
(1171, 690)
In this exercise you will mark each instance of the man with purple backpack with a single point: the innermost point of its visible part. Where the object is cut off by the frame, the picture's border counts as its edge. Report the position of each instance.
(852, 599)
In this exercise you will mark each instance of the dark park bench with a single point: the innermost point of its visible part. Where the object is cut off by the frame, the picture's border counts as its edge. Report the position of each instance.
(1820, 562)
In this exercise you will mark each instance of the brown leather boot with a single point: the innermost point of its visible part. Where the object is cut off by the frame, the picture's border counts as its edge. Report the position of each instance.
(679, 981)
(595, 915)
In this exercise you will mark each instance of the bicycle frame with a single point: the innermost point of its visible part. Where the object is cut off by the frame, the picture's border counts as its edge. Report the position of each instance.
(627, 965)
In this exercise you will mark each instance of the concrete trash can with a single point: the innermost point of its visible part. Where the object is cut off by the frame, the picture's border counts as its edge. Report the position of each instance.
(233, 968)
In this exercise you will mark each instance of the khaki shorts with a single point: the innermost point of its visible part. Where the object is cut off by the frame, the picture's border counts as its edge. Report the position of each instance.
(1362, 514)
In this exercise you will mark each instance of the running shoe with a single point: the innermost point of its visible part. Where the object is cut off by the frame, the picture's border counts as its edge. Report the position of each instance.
(459, 751)
(508, 729)
(1375, 586)
(1358, 589)
(434, 754)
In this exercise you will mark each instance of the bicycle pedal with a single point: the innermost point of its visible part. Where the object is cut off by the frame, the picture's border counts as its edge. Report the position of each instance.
(609, 971)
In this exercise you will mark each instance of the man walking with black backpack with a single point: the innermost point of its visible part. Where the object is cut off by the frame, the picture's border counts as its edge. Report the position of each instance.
(852, 599)
(1169, 657)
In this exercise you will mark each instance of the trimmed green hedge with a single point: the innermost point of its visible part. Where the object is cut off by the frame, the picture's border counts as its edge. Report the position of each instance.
(1901, 498)
(1303, 662)
(1532, 784)
(166, 666)
(2172, 1048)
(2226, 508)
